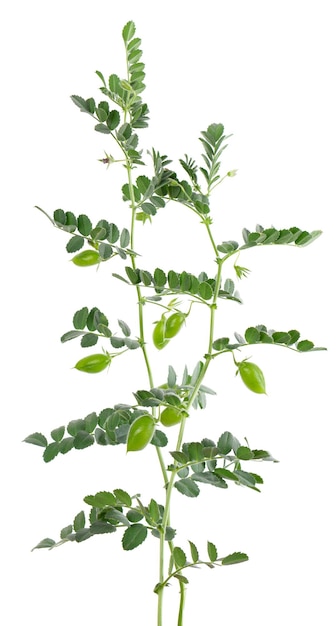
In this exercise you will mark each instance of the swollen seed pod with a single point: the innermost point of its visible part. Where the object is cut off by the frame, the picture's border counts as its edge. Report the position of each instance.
(174, 324)
(86, 258)
(170, 416)
(93, 363)
(159, 334)
(252, 376)
(140, 433)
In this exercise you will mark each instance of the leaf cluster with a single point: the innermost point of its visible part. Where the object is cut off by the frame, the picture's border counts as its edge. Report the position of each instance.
(260, 334)
(267, 236)
(146, 194)
(98, 326)
(198, 462)
(110, 511)
(151, 194)
(177, 395)
(109, 427)
(179, 562)
(125, 93)
(109, 120)
(102, 237)
(212, 140)
(201, 287)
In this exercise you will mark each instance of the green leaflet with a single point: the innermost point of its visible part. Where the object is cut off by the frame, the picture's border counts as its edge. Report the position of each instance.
(134, 536)
(45, 543)
(187, 487)
(179, 557)
(233, 559)
(212, 551)
(37, 439)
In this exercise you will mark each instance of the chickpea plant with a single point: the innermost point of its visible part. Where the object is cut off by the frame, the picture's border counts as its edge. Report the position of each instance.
(160, 411)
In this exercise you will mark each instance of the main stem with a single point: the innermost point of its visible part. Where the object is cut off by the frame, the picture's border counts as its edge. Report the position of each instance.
(171, 482)
(151, 384)
(138, 290)
(141, 305)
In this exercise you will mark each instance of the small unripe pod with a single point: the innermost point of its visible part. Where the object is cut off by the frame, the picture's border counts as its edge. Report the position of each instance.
(140, 433)
(159, 334)
(86, 258)
(93, 363)
(174, 324)
(171, 416)
(252, 376)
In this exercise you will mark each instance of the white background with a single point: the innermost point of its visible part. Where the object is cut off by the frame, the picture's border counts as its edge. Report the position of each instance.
(266, 70)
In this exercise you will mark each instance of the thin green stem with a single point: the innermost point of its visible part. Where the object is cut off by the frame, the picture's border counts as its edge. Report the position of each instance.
(192, 397)
(219, 182)
(181, 604)
(217, 561)
(161, 579)
(260, 343)
(162, 465)
(180, 438)
(218, 457)
(46, 214)
(138, 290)
(168, 292)
(207, 225)
(151, 383)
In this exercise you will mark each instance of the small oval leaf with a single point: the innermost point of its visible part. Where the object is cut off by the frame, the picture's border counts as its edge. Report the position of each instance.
(37, 439)
(252, 335)
(75, 243)
(58, 433)
(88, 340)
(80, 318)
(79, 521)
(212, 551)
(205, 291)
(235, 557)
(50, 452)
(134, 536)
(179, 557)
(187, 487)
(305, 345)
(244, 453)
